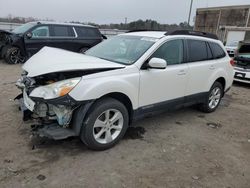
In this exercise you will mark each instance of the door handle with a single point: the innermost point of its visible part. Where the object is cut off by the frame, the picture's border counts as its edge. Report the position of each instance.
(212, 67)
(182, 72)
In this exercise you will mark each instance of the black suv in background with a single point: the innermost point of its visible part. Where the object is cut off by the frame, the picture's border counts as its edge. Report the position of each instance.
(26, 40)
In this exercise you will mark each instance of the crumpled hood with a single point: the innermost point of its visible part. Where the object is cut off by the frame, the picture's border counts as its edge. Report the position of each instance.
(5, 32)
(50, 60)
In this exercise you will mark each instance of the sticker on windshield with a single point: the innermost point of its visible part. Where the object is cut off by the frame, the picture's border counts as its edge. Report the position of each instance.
(150, 39)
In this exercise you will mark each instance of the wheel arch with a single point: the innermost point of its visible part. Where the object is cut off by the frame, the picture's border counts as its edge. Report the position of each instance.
(222, 81)
(80, 114)
(124, 99)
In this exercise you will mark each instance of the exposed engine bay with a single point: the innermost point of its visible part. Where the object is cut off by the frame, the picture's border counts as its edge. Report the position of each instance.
(59, 110)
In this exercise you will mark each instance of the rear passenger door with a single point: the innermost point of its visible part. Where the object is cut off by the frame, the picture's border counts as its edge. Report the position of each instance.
(62, 36)
(201, 67)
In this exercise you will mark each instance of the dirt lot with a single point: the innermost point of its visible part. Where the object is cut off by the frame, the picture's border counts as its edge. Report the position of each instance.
(181, 149)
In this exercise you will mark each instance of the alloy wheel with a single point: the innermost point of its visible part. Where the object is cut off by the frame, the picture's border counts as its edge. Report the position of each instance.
(108, 126)
(16, 57)
(214, 98)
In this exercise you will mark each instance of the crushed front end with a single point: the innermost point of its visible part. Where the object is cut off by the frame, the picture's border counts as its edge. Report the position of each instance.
(4, 40)
(45, 99)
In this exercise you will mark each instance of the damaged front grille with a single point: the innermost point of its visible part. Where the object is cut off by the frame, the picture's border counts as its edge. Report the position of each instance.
(58, 110)
(49, 112)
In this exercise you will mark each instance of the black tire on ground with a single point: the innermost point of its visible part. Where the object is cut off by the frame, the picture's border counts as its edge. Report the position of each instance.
(83, 50)
(13, 56)
(1, 52)
(205, 107)
(95, 112)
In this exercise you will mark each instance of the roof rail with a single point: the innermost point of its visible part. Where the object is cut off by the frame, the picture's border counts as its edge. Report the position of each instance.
(193, 33)
(140, 30)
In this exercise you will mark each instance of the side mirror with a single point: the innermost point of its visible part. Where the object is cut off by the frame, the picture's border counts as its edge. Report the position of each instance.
(29, 35)
(157, 63)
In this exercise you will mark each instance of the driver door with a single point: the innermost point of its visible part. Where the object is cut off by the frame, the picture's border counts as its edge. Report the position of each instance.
(161, 89)
(39, 39)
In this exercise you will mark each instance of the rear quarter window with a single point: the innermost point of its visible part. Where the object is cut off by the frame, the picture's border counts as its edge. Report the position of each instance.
(217, 50)
(197, 50)
(85, 32)
(62, 31)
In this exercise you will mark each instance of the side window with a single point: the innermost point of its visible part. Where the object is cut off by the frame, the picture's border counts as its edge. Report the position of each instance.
(197, 50)
(42, 31)
(62, 31)
(171, 51)
(217, 51)
(87, 32)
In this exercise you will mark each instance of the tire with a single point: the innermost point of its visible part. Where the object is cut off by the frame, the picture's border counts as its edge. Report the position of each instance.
(99, 131)
(13, 56)
(213, 98)
(83, 50)
(1, 48)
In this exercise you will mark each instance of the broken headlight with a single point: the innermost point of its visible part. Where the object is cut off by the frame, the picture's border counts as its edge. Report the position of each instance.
(54, 90)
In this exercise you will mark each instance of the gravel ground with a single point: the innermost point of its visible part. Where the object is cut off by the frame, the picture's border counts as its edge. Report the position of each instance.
(185, 148)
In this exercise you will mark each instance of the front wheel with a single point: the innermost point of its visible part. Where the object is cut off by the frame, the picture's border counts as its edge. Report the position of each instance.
(14, 56)
(105, 125)
(213, 99)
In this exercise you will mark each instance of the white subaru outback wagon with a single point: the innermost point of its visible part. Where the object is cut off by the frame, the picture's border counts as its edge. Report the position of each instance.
(98, 95)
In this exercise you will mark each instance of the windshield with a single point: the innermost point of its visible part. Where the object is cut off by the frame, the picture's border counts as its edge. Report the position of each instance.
(122, 49)
(23, 28)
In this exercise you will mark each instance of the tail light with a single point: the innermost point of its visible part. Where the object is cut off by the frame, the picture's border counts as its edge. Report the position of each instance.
(232, 62)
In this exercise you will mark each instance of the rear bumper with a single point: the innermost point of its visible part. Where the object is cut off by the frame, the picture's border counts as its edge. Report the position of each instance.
(243, 81)
(242, 75)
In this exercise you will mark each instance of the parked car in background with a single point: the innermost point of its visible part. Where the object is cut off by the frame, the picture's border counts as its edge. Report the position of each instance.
(242, 62)
(24, 41)
(96, 96)
(231, 48)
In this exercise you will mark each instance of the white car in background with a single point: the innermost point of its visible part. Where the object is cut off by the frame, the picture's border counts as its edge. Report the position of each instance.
(96, 96)
(242, 63)
(231, 48)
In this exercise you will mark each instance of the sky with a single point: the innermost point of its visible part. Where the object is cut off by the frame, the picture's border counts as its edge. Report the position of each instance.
(109, 11)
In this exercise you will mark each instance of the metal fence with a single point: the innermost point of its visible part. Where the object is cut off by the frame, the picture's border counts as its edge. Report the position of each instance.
(107, 32)
(8, 26)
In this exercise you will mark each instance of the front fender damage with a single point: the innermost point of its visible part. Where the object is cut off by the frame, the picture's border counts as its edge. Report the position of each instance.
(57, 118)
(54, 117)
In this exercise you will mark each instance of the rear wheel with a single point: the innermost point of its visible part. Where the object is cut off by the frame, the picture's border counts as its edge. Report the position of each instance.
(14, 56)
(213, 99)
(105, 125)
